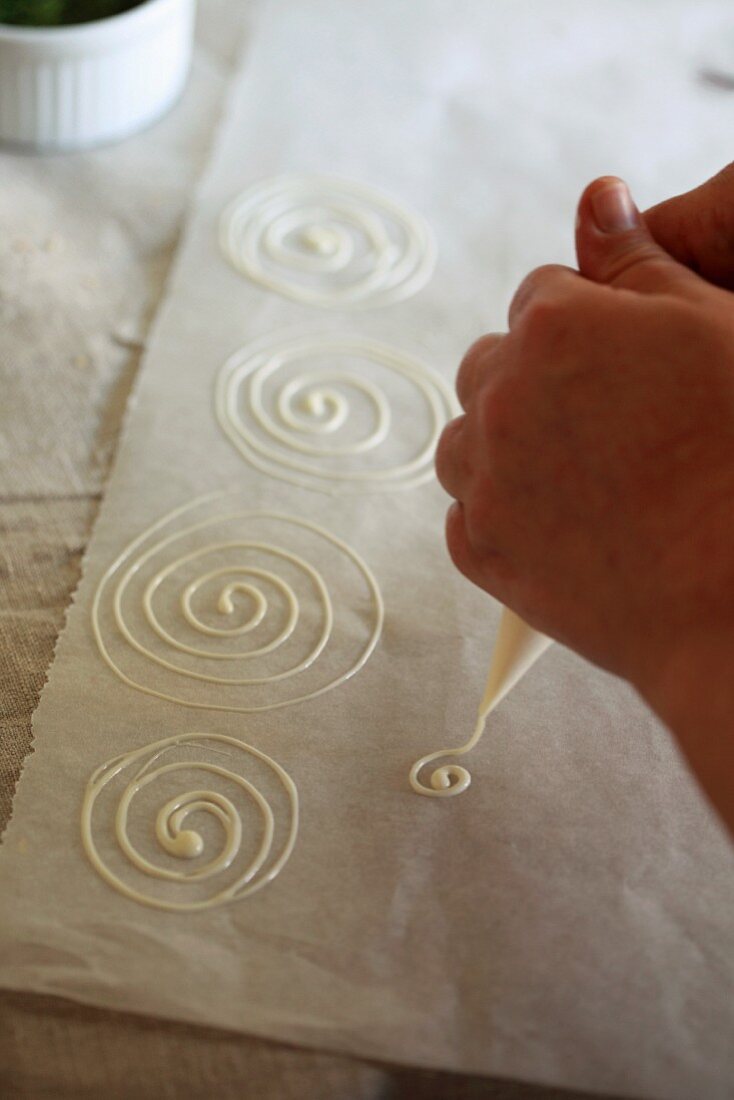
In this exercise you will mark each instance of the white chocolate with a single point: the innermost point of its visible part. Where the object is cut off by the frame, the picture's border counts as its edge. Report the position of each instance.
(128, 565)
(187, 844)
(308, 407)
(327, 242)
(516, 650)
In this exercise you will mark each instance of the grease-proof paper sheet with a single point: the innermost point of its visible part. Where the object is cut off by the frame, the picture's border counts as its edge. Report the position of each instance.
(569, 919)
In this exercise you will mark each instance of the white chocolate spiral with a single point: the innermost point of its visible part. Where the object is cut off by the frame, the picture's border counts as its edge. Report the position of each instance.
(230, 608)
(341, 414)
(449, 779)
(517, 647)
(177, 837)
(327, 242)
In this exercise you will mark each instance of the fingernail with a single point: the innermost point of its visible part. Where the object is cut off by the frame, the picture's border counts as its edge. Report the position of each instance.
(613, 208)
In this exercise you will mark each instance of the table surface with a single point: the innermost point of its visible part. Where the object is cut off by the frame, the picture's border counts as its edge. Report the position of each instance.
(86, 241)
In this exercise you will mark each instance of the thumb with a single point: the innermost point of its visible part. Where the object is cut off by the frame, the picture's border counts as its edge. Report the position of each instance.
(698, 228)
(614, 246)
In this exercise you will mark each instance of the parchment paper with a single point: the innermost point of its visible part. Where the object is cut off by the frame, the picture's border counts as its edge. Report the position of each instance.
(569, 918)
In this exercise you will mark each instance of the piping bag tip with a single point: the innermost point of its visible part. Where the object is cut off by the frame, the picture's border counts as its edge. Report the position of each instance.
(516, 649)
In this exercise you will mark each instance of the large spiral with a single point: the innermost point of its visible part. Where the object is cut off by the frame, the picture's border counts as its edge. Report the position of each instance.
(335, 413)
(327, 242)
(222, 608)
(180, 817)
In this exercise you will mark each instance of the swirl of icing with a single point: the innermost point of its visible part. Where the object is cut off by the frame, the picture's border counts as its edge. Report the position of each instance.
(327, 242)
(449, 779)
(330, 426)
(223, 607)
(174, 835)
(517, 647)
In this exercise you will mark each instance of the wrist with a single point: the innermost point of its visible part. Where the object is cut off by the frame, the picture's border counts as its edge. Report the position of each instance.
(692, 691)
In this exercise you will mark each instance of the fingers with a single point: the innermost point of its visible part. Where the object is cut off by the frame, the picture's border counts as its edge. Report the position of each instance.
(551, 283)
(451, 467)
(488, 569)
(475, 366)
(697, 228)
(615, 247)
(457, 541)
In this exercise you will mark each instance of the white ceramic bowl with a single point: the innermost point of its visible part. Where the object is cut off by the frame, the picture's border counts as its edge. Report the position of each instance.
(76, 86)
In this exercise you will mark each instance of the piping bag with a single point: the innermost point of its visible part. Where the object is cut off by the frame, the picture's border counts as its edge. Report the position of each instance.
(516, 649)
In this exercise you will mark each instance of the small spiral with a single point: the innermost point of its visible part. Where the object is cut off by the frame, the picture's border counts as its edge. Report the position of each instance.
(448, 779)
(233, 610)
(334, 413)
(327, 242)
(178, 840)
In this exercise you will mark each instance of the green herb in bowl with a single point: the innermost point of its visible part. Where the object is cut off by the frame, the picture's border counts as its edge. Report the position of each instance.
(56, 13)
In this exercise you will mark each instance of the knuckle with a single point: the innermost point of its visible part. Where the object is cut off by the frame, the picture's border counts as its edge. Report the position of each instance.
(523, 292)
(548, 328)
(542, 296)
(542, 313)
(475, 363)
(494, 411)
(447, 456)
(457, 541)
(477, 351)
(498, 404)
(465, 376)
(447, 438)
(539, 276)
(547, 271)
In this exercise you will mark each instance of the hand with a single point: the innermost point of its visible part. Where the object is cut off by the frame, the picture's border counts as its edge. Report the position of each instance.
(594, 466)
(698, 228)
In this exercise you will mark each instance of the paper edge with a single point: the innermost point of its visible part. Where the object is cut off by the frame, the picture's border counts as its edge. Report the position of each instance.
(50, 671)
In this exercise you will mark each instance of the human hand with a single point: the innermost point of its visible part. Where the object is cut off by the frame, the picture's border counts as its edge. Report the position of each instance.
(594, 467)
(697, 228)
